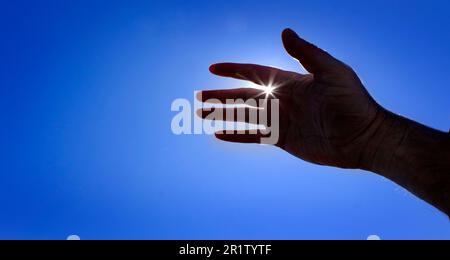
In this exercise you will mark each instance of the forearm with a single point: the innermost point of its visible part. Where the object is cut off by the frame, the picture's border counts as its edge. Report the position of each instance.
(412, 155)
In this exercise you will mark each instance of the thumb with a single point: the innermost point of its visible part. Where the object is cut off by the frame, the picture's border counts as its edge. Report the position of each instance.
(313, 59)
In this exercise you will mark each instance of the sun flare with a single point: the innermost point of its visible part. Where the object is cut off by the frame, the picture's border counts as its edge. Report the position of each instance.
(268, 90)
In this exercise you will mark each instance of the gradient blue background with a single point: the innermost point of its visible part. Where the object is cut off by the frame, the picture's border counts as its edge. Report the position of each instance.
(86, 145)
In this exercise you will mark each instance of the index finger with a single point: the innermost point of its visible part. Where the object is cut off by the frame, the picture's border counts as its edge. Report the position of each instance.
(260, 75)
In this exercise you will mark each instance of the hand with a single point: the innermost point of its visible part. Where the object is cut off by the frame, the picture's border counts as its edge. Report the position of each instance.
(326, 117)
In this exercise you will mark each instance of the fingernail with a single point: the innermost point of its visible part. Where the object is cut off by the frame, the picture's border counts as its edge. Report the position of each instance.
(212, 68)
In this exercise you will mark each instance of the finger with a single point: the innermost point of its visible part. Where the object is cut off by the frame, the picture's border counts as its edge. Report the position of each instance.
(242, 137)
(224, 95)
(260, 75)
(313, 59)
(241, 114)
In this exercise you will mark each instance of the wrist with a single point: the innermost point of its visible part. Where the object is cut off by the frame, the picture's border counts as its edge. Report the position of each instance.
(385, 136)
(412, 155)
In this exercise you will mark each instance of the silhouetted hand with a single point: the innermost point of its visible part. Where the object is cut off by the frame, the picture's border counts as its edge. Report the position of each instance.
(328, 118)
(325, 117)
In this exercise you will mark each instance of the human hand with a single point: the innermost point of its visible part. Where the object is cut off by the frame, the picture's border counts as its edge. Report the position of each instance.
(326, 117)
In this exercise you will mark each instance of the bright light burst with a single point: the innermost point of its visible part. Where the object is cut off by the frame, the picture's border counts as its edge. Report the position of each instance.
(268, 90)
(268, 87)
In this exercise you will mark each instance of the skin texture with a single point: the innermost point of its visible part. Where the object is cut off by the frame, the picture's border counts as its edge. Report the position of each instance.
(328, 118)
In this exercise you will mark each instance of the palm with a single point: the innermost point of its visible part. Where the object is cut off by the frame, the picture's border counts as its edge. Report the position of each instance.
(324, 117)
(325, 122)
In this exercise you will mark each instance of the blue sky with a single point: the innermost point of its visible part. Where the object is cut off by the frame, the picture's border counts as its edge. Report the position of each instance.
(86, 89)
